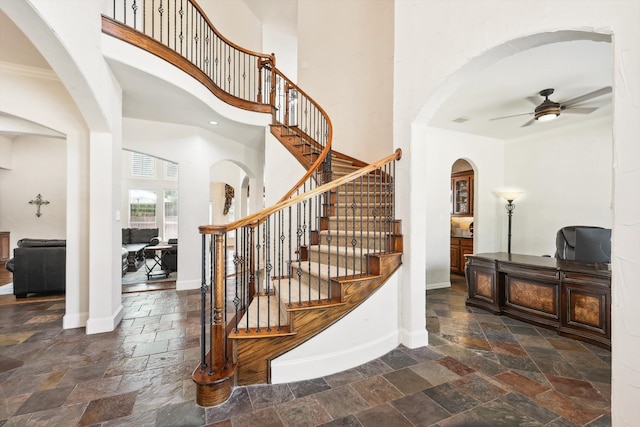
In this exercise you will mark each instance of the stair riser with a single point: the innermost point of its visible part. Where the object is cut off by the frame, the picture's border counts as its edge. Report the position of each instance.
(359, 210)
(370, 243)
(343, 199)
(360, 224)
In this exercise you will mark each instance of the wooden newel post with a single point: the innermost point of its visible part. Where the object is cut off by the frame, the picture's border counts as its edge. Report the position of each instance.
(217, 326)
(215, 376)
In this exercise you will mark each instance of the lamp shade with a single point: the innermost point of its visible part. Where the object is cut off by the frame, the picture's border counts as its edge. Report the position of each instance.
(509, 196)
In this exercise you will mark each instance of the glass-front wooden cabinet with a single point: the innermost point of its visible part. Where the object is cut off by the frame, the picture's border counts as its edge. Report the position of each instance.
(462, 193)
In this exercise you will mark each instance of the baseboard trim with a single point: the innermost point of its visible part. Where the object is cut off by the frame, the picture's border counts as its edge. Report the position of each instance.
(431, 286)
(184, 285)
(414, 339)
(105, 324)
(330, 363)
(75, 320)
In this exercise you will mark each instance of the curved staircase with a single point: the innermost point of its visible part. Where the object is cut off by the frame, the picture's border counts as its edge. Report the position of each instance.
(295, 268)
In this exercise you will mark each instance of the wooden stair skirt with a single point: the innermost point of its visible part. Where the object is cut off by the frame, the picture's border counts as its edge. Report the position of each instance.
(253, 351)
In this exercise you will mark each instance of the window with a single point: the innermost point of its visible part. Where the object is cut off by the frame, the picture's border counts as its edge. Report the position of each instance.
(171, 170)
(170, 214)
(142, 209)
(143, 165)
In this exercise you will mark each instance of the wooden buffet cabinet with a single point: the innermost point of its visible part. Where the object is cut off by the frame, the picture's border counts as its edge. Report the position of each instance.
(574, 298)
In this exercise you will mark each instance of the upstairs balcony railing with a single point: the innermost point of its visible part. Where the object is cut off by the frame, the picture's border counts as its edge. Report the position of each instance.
(180, 32)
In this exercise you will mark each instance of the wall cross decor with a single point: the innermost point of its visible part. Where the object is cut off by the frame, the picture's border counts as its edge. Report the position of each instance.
(38, 202)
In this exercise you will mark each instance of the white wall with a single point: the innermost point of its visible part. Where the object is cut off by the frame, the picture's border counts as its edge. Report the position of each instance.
(439, 149)
(39, 167)
(475, 34)
(235, 21)
(198, 150)
(566, 178)
(349, 72)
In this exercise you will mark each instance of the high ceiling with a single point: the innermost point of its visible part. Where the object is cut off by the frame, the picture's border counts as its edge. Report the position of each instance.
(571, 68)
(511, 87)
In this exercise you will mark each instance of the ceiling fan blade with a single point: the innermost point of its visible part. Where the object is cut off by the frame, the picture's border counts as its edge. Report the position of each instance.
(571, 110)
(529, 123)
(585, 97)
(508, 117)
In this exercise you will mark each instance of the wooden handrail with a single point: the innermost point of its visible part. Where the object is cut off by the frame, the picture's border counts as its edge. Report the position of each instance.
(327, 148)
(258, 217)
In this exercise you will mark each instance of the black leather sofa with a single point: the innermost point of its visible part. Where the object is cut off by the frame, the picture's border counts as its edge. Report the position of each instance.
(39, 267)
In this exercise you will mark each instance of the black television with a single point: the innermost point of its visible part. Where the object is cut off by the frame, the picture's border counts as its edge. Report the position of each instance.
(593, 244)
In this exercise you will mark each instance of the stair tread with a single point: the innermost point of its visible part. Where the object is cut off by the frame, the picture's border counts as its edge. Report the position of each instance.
(268, 312)
(350, 233)
(299, 292)
(320, 269)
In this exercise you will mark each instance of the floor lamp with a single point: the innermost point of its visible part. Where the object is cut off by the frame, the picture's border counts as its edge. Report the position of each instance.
(510, 196)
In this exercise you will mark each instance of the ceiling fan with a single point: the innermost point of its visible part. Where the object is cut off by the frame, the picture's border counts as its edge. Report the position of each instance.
(549, 110)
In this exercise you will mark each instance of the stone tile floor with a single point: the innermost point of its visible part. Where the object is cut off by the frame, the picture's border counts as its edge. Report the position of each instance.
(479, 370)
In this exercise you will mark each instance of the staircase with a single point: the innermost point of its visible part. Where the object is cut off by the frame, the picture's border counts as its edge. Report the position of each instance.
(295, 268)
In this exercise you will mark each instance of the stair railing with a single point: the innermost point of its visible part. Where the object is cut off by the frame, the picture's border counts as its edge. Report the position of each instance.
(179, 32)
(278, 248)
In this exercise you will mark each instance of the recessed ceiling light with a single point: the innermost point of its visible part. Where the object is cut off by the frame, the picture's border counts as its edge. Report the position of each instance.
(461, 120)
(213, 122)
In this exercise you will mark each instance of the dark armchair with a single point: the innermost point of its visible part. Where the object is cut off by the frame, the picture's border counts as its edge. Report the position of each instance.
(567, 240)
(170, 259)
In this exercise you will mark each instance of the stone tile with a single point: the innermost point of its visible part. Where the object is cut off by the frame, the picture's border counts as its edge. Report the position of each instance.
(407, 381)
(267, 417)
(45, 399)
(303, 412)
(474, 343)
(422, 354)
(94, 389)
(348, 421)
(510, 348)
(435, 373)
(567, 408)
(305, 388)
(398, 359)
(466, 419)
(180, 414)
(529, 407)
(344, 378)
(521, 384)
(62, 416)
(342, 401)
(85, 373)
(9, 405)
(450, 398)
(517, 362)
(420, 409)
(567, 344)
(382, 416)
(455, 366)
(478, 387)
(9, 363)
(376, 390)
(375, 367)
(239, 403)
(263, 396)
(499, 413)
(108, 408)
(575, 388)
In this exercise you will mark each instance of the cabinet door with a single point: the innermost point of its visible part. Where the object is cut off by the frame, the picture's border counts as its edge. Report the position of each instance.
(455, 258)
(461, 196)
(4, 246)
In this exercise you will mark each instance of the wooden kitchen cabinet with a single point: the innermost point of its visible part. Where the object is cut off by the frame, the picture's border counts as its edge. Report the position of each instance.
(460, 246)
(462, 193)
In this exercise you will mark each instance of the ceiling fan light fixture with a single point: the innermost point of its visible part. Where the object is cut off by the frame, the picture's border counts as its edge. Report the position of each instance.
(547, 111)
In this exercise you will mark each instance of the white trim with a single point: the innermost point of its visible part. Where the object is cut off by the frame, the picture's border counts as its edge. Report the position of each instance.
(183, 285)
(75, 320)
(105, 324)
(441, 285)
(414, 339)
(330, 363)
